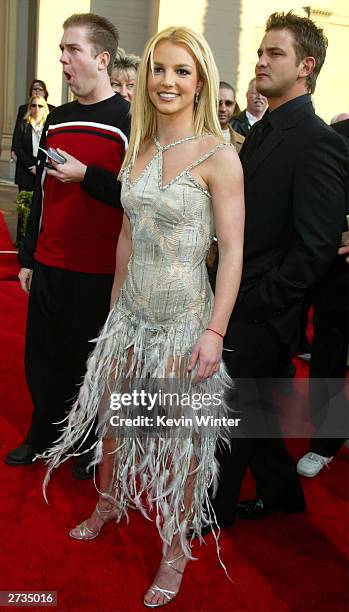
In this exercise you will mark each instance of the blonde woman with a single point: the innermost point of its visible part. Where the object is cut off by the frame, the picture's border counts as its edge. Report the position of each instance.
(181, 186)
(25, 145)
(123, 77)
(26, 142)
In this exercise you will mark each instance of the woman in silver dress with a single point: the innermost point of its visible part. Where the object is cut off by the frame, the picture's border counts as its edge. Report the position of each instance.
(181, 185)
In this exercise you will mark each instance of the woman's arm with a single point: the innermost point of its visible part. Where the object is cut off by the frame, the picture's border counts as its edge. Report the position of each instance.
(227, 190)
(123, 254)
(225, 181)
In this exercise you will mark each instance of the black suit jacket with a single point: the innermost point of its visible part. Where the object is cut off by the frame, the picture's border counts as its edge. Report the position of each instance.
(23, 147)
(342, 127)
(20, 114)
(240, 123)
(295, 190)
(331, 294)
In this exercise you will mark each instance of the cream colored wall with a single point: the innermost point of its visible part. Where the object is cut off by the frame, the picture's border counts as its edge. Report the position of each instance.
(332, 92)
(190, 13)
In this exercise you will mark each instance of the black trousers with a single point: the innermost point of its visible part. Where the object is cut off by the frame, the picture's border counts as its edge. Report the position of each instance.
(329, 355)
(255, 359)
(66, 310)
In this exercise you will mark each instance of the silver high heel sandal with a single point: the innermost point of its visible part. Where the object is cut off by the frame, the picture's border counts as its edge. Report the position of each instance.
(85, 533)
(156, 589)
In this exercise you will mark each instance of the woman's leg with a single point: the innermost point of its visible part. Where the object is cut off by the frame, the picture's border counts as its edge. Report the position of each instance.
(169, 575)
(106, 509)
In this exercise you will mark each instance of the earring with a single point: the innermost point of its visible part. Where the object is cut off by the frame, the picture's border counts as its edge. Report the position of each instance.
(196, 99)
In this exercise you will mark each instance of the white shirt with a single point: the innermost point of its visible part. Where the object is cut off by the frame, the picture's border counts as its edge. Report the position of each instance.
(251, 118)
(226, 135)
(36, 135)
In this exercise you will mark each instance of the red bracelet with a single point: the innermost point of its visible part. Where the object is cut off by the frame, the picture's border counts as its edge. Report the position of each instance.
(215, 332)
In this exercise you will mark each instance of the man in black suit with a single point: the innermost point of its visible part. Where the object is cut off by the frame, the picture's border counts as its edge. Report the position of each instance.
(256, 105)
(329, 359)
(295, 170)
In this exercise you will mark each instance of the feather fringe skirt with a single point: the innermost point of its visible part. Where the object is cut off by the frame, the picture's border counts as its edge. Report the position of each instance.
(153, 465)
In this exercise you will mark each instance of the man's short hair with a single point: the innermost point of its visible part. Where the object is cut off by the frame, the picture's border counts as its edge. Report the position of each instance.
(309, 40)
(225, 85)
(102, 34)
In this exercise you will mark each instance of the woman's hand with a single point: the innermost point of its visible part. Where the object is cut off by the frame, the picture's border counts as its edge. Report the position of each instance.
(208, 352)
(32, 169)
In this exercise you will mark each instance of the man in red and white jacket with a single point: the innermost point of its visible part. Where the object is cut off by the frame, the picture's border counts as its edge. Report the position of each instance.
(68, 256)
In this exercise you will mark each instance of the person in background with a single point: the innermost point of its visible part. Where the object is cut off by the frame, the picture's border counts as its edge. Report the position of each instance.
(123, 77)
(26, 142)
(226, 108)
(328, 363)
(256, 106)
(339, 118)
(25, 145)
(37, 88)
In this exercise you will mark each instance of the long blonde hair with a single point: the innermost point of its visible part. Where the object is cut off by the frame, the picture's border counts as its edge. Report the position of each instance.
(143, 113)
(28, 117)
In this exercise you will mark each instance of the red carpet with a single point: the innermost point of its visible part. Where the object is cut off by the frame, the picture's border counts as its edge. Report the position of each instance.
(9, 267)
(284, 562)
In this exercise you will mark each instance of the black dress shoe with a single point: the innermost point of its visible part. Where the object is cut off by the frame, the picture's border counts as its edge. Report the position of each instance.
(256, 508)
(23, 455)
(80, 469)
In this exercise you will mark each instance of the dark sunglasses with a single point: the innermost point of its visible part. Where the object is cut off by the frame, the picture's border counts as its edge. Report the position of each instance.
(227, 103)
(37, 105)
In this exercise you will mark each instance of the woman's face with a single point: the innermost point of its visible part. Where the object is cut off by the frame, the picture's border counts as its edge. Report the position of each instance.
(37, 109)
(123, 81)
(38, 90)
(175, 80)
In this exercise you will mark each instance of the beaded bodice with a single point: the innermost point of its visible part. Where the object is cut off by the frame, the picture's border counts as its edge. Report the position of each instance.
(172, 228)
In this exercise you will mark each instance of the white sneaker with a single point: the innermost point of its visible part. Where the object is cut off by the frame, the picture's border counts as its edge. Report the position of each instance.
(311, 464)
(304, 356)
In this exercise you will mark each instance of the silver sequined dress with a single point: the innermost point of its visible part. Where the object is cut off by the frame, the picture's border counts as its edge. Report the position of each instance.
(164, 306)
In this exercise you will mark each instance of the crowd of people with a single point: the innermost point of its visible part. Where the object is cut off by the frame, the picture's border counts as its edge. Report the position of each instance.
(158, 162)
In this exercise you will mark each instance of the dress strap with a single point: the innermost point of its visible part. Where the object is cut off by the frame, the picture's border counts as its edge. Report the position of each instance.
(161, 147)
(208, 154)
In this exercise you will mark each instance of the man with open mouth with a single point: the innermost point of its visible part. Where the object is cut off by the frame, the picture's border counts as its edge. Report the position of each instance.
(68, 256)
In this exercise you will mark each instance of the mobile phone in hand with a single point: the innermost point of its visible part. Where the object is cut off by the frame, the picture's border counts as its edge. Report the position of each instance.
(54, 155)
